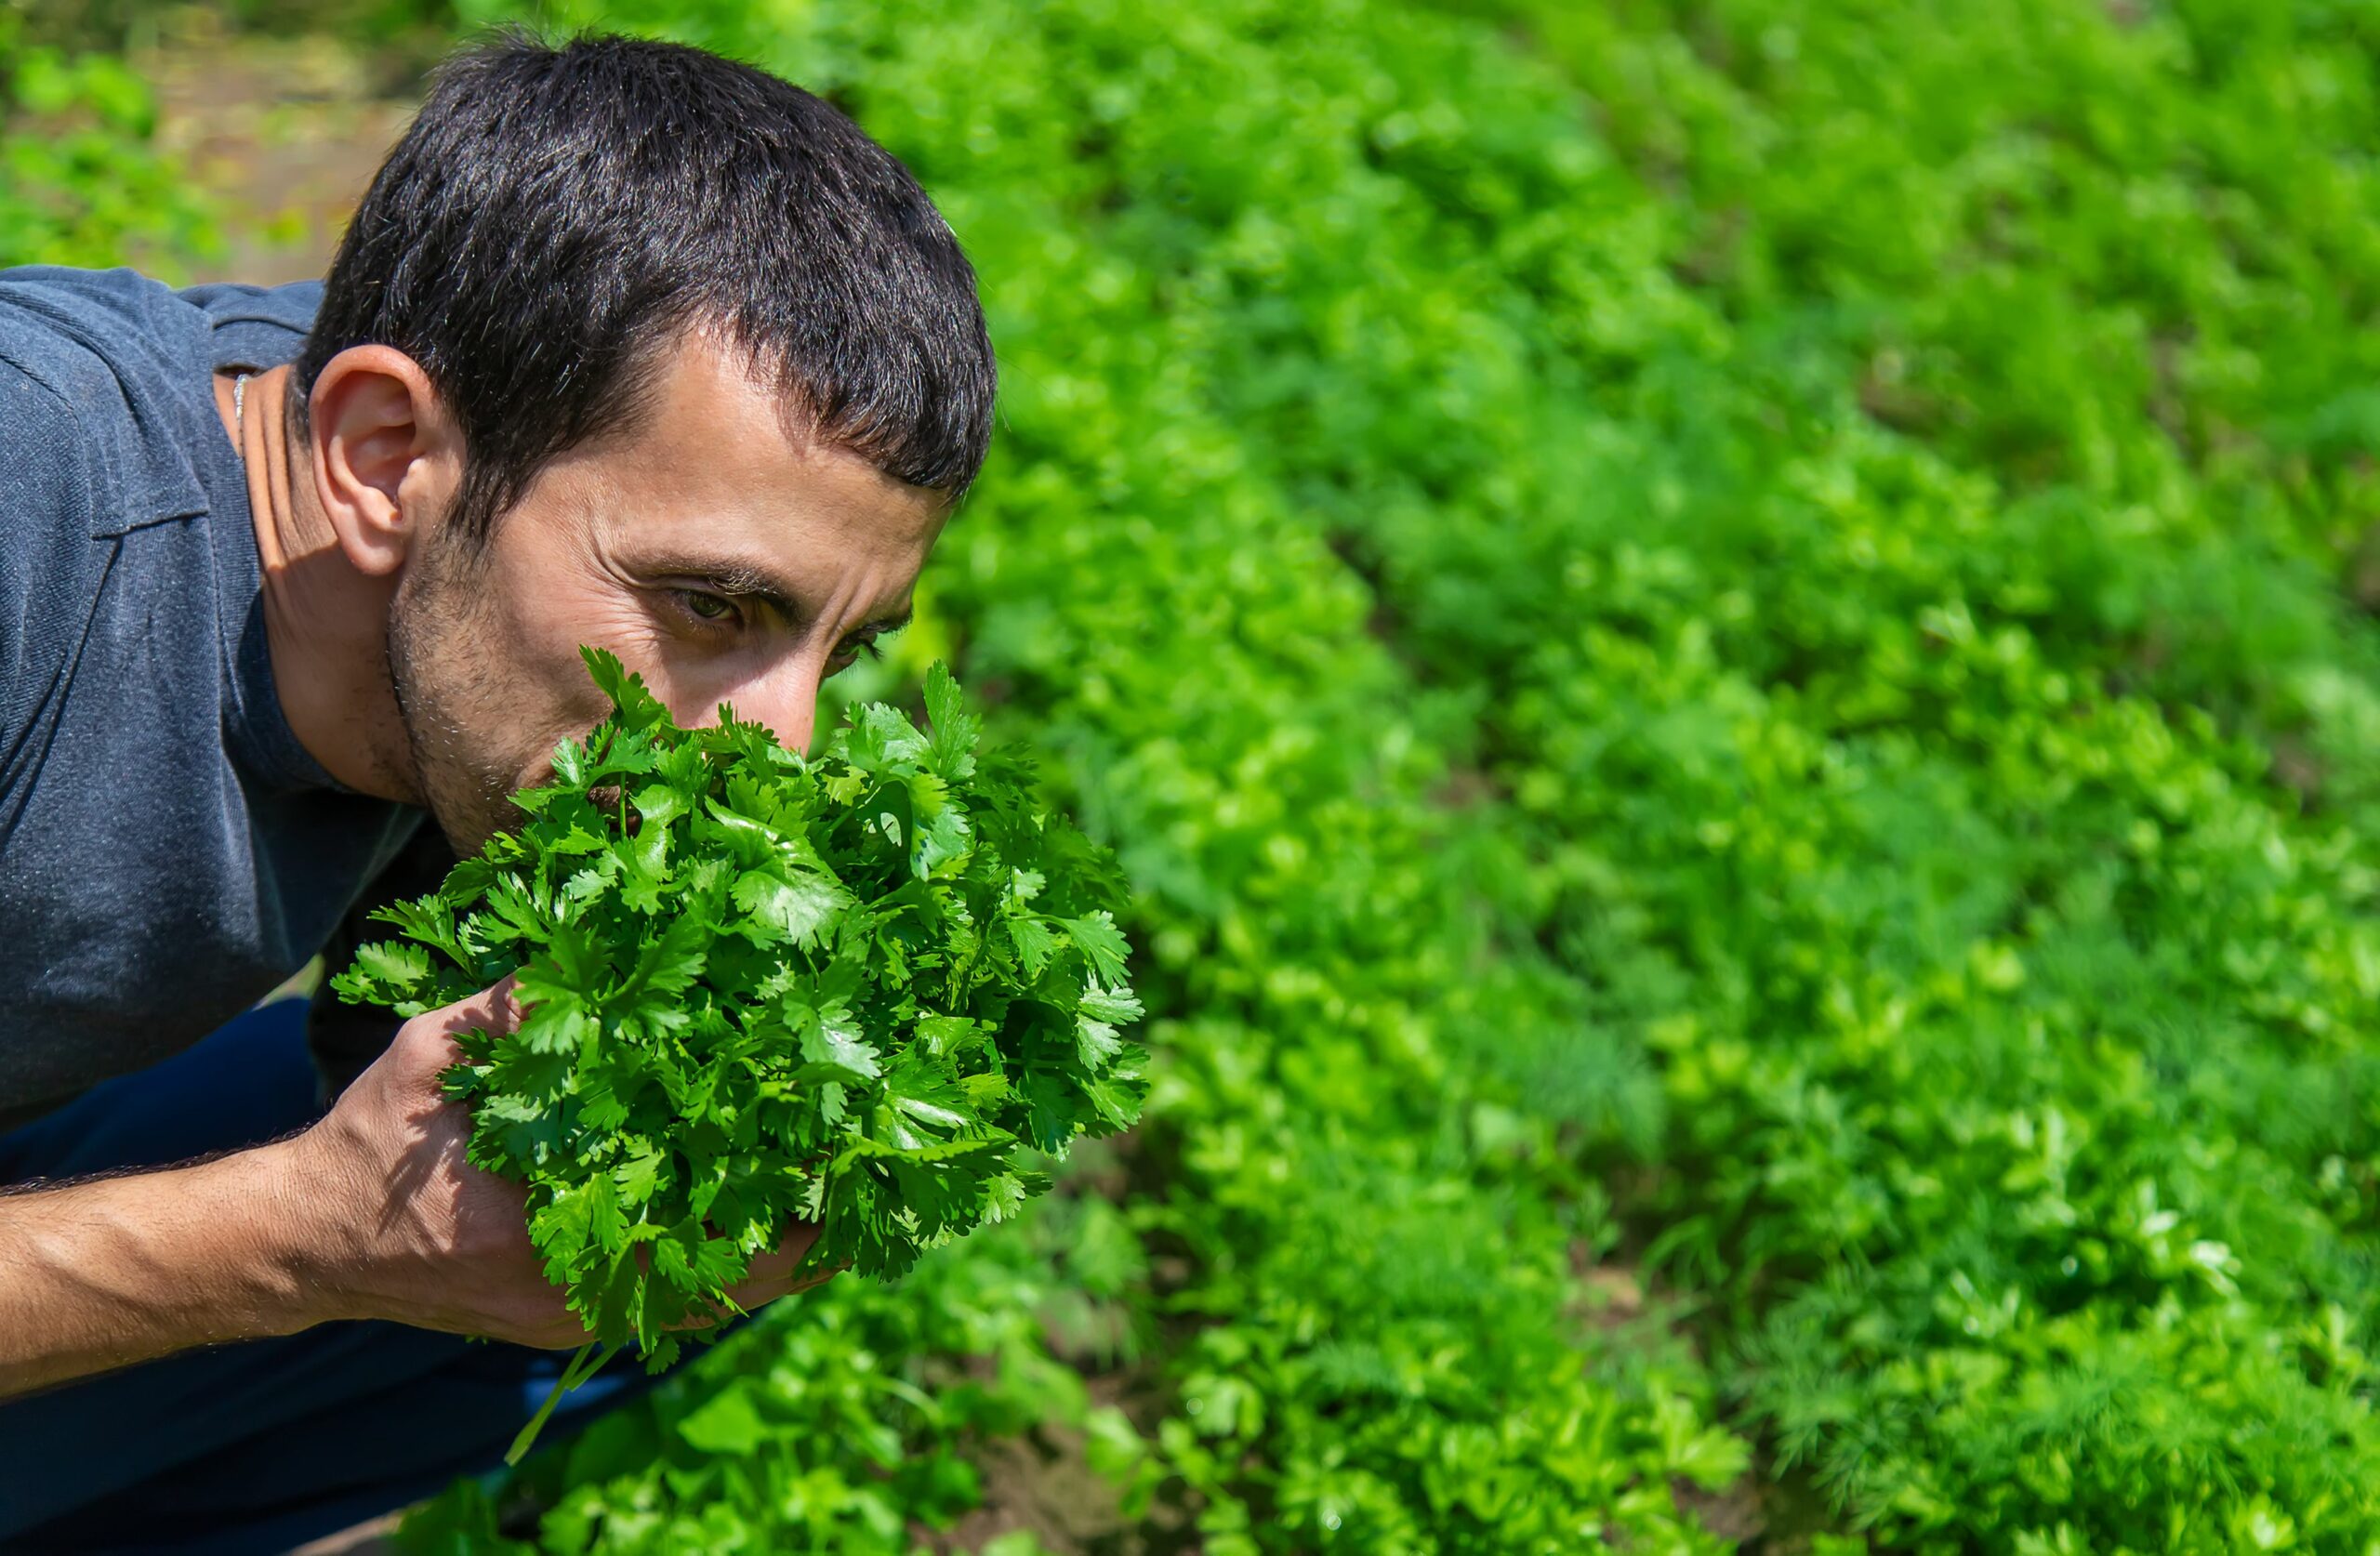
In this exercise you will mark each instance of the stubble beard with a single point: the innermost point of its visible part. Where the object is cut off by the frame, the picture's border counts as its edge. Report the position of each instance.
(438, 679)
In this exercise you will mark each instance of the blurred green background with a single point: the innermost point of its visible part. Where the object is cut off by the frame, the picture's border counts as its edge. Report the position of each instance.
(1731, 644)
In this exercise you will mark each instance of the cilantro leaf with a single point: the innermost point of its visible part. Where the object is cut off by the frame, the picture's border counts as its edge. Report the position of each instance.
(758, 987)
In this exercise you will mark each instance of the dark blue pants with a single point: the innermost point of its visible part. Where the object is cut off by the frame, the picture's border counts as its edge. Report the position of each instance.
(262, 1445)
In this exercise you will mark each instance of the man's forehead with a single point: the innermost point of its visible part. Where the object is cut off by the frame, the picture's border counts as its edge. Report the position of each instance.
(712, 424)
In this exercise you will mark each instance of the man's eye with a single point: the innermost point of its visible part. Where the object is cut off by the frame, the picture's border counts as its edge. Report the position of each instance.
(706, 607)
(851, 652)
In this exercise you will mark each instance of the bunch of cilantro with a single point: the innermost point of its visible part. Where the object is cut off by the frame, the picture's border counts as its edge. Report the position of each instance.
(757, 987)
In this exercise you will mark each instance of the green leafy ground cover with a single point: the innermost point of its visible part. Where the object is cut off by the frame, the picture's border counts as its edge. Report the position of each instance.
(1726, 646)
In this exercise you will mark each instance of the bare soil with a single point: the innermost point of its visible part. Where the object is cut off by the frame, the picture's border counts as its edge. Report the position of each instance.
(286, 132)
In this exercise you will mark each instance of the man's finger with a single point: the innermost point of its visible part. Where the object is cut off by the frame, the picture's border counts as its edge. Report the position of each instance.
(773, 1265)
(498, 1006)
(775, 1270)
(821, 1278)
(759, 1292)
(777, 1263)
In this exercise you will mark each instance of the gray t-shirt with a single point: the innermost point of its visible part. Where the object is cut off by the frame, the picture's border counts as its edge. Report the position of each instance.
(168, 852)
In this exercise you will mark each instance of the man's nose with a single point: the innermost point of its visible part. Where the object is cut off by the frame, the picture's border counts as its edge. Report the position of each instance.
(785, 699)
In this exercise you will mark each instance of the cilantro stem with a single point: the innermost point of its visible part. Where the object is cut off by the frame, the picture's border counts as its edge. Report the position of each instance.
(579, 1371)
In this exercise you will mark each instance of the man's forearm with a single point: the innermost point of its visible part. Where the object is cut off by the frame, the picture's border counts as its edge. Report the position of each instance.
(99, 1274)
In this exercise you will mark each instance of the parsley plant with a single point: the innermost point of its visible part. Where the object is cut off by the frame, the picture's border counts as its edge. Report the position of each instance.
(758, 988)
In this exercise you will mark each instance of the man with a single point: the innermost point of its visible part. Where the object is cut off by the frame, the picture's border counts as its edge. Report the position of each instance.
(627, 346)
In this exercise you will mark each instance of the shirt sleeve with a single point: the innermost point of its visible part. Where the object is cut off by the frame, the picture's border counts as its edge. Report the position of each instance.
(49, 565)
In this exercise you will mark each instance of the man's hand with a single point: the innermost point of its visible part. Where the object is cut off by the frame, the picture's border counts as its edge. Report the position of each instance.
(416, 1233)
(372, 1213)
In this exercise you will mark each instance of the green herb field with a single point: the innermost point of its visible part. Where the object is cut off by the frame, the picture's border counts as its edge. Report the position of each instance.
(1730, 651)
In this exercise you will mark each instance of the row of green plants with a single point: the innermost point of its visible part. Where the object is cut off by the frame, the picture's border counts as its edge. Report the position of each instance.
(2032, 1135)
(1902, 529)
(1331, 1294)
(1350, 1256)
(1725, 645)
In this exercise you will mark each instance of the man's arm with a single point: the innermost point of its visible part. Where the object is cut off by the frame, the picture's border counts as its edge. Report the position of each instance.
(372, 1213)
(121, 1269)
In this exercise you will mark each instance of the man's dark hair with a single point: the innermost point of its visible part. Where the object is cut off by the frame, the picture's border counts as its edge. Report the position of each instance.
(556, 216)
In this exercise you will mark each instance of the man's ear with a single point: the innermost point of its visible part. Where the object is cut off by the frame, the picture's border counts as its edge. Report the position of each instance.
(385, 457)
